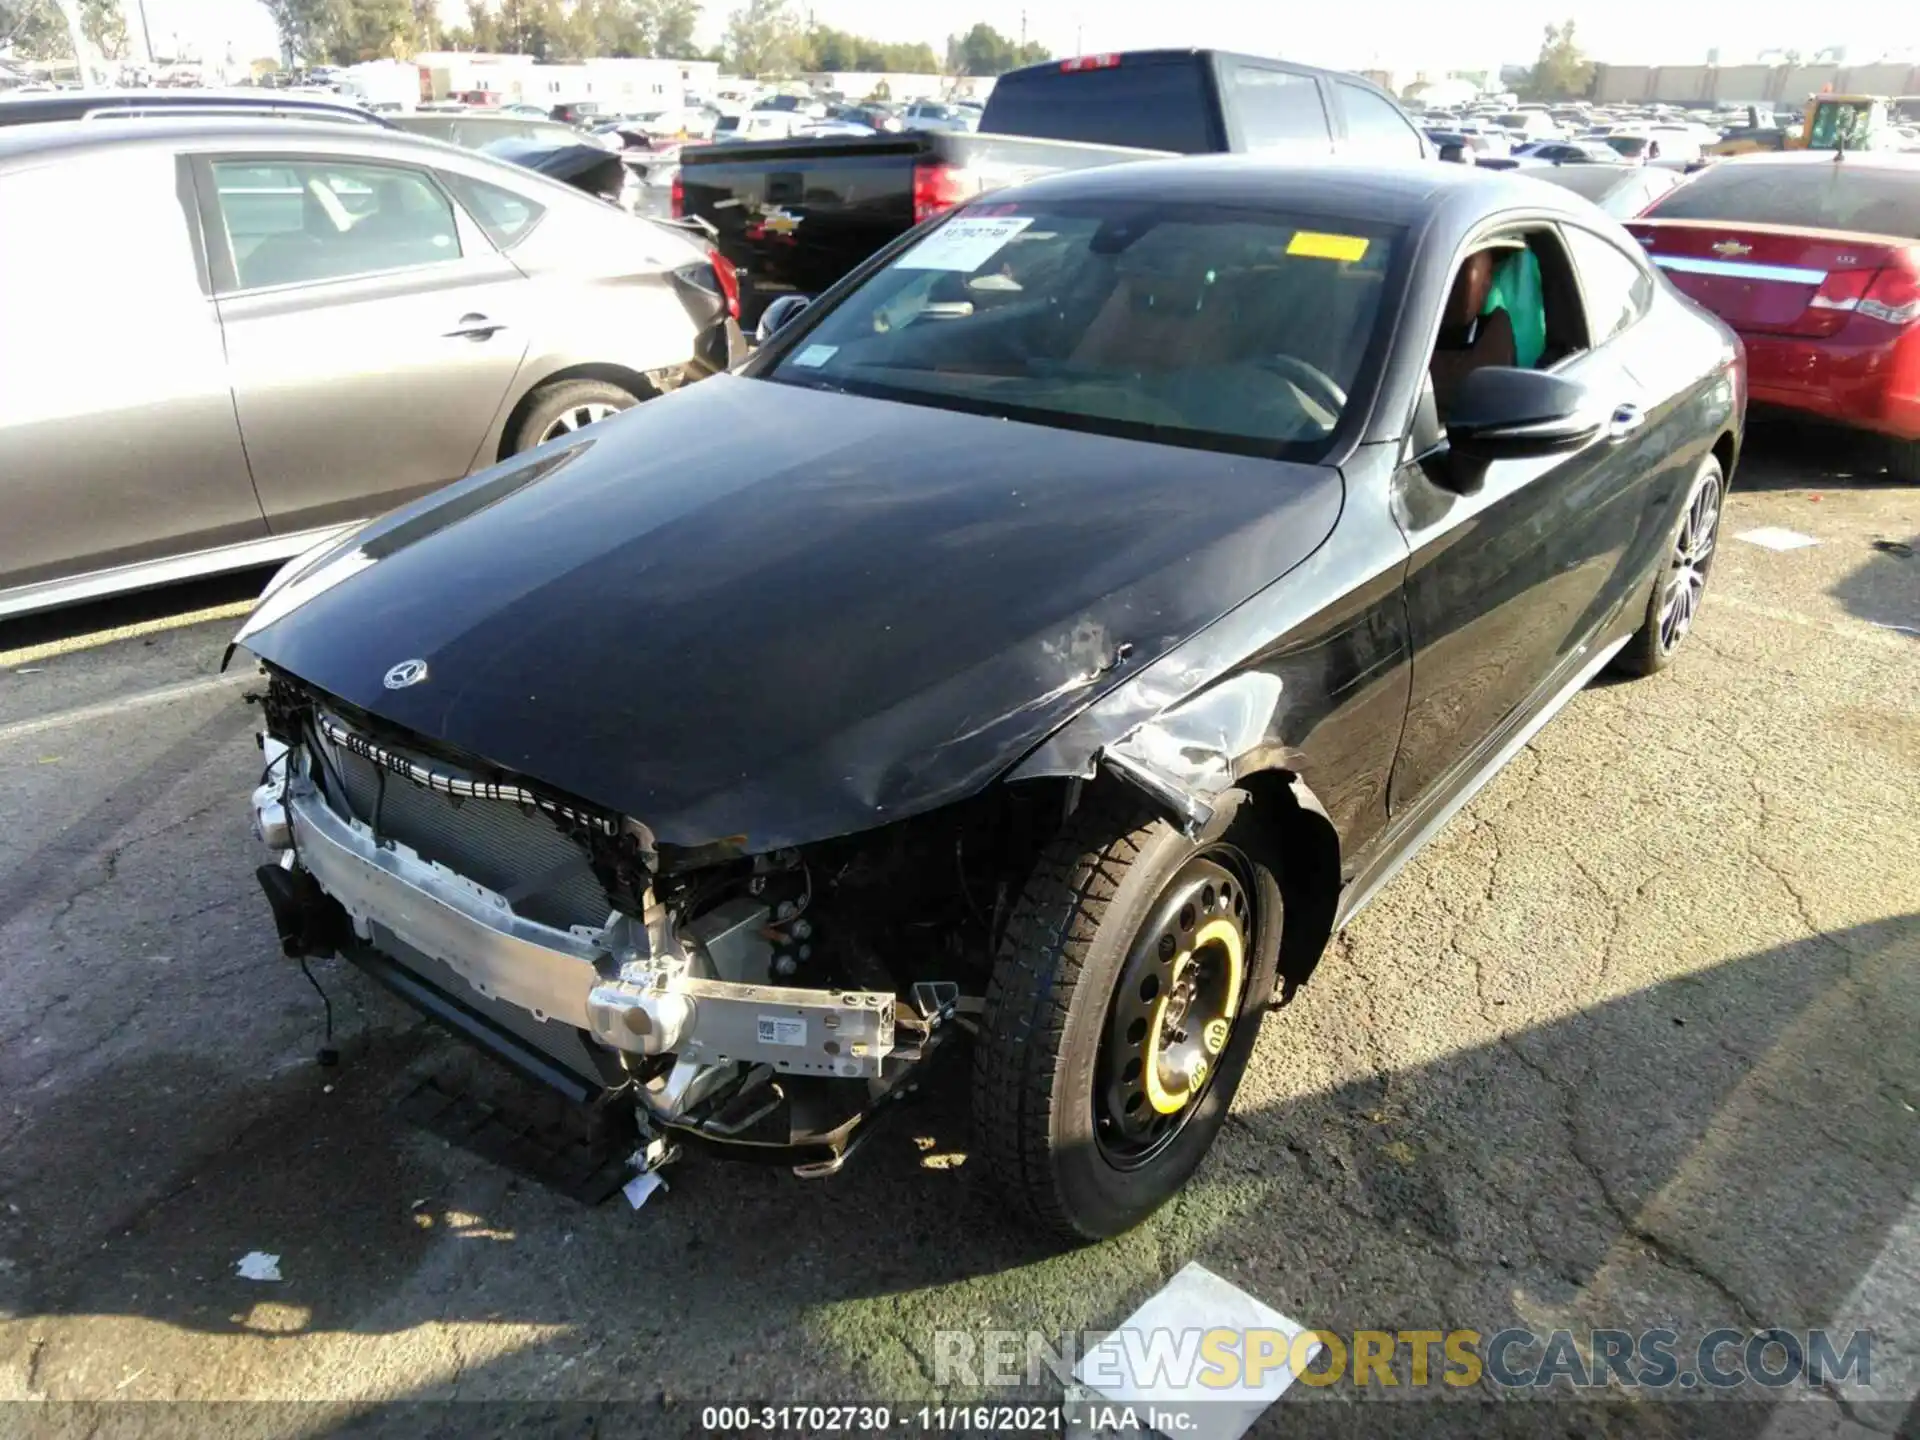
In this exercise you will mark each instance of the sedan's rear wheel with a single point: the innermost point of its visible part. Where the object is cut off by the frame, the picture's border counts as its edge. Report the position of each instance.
(1682, 582)
(566, 407)
(1123, 1007)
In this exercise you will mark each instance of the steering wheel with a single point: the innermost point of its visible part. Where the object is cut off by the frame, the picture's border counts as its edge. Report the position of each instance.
(1319, 385)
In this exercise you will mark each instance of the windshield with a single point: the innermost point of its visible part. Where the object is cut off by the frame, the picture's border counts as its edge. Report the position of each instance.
(1594, 182)
(1628, 145)
(1837, 121)
(1218, 329)
(1824, 195)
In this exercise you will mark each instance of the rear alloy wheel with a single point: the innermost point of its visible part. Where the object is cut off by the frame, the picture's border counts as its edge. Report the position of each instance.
(1682, 583)
(567, 407)
(1123, 1007)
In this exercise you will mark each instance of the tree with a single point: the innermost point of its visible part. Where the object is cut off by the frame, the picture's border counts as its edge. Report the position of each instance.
(670, 25)
(34, 30)
(427, 34)
(763, 38)
(374, 30)
(1563, 71)
(308, 28)
(105, 28)
(637, 27)
(481, 32)
(556, 32)
(983, 50)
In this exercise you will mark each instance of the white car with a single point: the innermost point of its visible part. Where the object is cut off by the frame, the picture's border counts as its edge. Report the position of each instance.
(689, 122)
(1667, 143)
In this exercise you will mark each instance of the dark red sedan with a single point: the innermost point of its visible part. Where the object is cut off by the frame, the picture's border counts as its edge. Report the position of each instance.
(1815, 260)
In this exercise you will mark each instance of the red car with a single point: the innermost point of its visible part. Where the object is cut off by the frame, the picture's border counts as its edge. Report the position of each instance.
(1814, 258)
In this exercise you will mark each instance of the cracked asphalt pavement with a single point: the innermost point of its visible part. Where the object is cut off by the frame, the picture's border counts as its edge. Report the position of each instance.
(1633, 1043)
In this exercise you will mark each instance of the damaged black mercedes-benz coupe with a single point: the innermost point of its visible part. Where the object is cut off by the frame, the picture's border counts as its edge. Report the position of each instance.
(1040, 647)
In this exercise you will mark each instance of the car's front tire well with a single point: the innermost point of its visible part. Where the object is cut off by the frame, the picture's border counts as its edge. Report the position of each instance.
(1298, 843)
(1726, 451)
(631, 381)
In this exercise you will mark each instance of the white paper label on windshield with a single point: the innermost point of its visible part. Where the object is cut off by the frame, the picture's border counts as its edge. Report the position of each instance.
(816, 355)
(963, 245)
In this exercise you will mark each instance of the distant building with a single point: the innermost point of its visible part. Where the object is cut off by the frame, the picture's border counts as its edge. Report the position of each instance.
(1442, 94)
(872, 84)
(869, 84)
(612, 84)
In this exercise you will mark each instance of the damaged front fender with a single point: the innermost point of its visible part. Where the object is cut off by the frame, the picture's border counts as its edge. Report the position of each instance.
(1284, 682)
(1190, 755)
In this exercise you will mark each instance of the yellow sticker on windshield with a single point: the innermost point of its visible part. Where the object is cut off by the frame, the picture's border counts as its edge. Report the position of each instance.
(1317, 246)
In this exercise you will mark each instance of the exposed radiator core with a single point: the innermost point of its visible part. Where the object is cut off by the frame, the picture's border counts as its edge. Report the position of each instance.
(513, 849)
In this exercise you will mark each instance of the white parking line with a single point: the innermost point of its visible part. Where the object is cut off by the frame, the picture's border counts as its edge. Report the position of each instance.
(1776, 537)
(1887, 1302)
(20, 729)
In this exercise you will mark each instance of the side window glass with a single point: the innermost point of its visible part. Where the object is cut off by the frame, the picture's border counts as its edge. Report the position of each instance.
(296, 222)
(100, 300)
(504, 216)
(1278, 107)
(1375, 126)
(1617, 289)
(112, 228)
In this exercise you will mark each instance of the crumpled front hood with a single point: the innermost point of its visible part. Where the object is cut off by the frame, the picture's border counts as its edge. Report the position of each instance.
(753, 610)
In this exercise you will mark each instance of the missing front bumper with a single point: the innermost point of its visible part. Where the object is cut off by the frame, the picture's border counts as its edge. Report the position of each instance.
(580, 982)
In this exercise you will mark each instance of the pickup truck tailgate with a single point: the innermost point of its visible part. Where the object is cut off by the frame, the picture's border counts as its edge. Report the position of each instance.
(795, 215)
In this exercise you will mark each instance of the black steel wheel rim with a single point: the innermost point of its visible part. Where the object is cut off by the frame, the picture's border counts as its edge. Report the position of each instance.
(1174, 1008)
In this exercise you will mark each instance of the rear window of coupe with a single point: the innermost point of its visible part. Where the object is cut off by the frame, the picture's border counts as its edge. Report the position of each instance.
(1863, 198)
(1234, 330)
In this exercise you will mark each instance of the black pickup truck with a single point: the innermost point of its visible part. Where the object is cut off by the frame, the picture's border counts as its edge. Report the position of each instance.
(793, 216)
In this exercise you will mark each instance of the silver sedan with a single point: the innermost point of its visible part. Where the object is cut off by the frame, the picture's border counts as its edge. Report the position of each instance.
(233, 337)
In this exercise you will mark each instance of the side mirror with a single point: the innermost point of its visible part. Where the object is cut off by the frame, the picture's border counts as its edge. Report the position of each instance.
(1507, 414)
(1454, 154)
(780, 313)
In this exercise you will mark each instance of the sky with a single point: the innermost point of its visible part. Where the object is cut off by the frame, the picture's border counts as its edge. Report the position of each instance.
(1387, 34)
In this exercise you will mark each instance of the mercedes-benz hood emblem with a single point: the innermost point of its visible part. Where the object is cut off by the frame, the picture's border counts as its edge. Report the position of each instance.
(407, 672)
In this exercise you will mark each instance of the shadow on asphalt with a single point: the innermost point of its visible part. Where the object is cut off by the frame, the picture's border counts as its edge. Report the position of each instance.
(1692, 1107)
(138, 608)
(1884, 589)
(1804, 455)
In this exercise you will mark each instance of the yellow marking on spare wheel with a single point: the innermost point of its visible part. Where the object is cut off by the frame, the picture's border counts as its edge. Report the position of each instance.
(1227, 936)
(1317, 245)
(1171, 1102)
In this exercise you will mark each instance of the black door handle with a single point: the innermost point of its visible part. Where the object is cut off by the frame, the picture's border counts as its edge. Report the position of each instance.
(474, 327)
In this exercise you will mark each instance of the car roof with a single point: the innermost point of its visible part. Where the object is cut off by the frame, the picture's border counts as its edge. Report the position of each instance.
(251, 131)
(1198, 52)
(1877, 159)
(1402, 194)
(1595, 182)
(78, 104)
